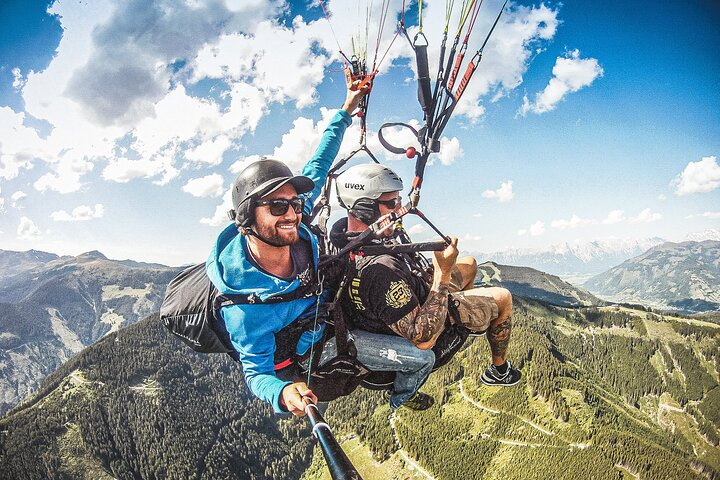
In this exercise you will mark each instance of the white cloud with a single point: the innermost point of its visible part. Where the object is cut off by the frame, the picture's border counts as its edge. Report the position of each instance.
(255, 56)
(502, 194)
(27, 230)
(299, 143)
(450, 150)
(646, 216)
(477, 215)
(80, 213)
(698, 177)
(662, 197)
(122, 170)
(615, 216)
(207, 186)
(573, 222)
(711, 215)
(536, 229)
(570, 74)
(472, 238)
(220, 216)
(19, 145)
(17, 197)
(18, 80)
(240, 164)
(210, 152)
(66, 175)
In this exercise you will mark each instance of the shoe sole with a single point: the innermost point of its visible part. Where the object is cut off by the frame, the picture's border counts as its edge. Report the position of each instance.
(482, 379)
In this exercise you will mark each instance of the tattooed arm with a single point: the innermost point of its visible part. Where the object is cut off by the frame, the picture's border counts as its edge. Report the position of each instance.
(423, 325)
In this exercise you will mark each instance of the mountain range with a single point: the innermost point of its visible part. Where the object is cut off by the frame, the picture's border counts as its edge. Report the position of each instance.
(139, 404)
(672, 276)
(572, 261)
(578, 261)
(52, 307)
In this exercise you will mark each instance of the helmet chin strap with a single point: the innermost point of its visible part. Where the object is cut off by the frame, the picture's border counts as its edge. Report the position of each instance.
(251, 232)
(367, 211)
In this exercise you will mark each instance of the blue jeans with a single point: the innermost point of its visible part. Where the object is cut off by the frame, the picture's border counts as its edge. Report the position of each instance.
(383, 353)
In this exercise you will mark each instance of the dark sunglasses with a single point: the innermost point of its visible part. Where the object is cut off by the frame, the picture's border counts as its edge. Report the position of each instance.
(279, 206)
(392, 204)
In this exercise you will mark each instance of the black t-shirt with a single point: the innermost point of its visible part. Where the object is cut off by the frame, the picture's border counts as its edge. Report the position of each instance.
(382, 292)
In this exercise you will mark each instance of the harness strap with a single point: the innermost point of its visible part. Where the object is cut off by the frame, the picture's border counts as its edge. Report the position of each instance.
(227, 299)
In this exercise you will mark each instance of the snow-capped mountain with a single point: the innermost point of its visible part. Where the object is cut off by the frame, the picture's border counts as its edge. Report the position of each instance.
(709, 234)
(573, 259)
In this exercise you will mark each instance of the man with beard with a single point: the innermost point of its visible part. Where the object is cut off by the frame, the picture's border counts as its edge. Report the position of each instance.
(270, 257)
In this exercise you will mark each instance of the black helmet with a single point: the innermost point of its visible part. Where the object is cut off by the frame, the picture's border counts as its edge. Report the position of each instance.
(257, 180)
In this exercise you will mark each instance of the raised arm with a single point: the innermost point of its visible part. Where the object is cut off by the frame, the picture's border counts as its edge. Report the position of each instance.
(319, 165)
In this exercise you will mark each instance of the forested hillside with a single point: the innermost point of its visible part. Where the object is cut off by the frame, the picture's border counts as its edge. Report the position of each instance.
(607, 393)
(138, 404)
(52, 307)
(530, 283)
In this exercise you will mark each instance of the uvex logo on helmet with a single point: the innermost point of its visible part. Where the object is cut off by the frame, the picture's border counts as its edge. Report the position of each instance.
(360, 186)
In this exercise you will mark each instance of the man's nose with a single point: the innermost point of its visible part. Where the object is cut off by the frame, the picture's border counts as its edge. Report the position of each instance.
(290, 214)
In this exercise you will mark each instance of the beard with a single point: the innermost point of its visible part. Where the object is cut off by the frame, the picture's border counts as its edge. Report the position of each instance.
(277, 235)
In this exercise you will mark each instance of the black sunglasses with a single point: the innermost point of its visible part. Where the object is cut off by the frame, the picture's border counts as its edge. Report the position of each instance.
(279, 206)
(392, 204)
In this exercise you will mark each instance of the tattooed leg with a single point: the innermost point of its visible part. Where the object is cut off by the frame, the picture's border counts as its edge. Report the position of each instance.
(499, 337)
(498, 334)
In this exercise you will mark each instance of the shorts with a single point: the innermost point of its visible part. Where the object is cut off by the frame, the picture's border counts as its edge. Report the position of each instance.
(475, 310)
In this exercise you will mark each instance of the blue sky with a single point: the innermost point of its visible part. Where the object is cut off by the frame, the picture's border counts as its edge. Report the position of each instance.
(123, 123)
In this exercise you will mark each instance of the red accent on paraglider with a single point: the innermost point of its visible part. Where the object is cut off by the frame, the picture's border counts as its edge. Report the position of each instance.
(410, 152)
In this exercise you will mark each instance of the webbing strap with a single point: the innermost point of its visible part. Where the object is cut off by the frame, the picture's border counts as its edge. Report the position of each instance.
(227, 299)
(423, 68)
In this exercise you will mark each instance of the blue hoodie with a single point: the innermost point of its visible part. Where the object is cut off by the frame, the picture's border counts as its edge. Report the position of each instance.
(252, 328)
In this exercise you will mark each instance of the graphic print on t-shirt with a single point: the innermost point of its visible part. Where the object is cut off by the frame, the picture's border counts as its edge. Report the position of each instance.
(355, 294)
(398, 294)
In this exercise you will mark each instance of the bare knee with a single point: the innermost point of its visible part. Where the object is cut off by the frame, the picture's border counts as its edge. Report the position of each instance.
(470, 261)
(468, 269)
(503, 298)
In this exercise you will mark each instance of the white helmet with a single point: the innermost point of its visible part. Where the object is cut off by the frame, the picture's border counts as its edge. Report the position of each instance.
(359, 186)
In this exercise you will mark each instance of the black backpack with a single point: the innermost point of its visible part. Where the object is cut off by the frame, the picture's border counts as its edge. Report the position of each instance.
(191, 309)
